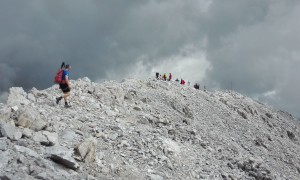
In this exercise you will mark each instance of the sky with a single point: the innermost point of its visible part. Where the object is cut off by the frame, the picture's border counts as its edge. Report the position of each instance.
(250, 46)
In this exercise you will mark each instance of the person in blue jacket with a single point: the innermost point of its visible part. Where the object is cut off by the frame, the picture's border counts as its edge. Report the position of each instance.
(65, 86)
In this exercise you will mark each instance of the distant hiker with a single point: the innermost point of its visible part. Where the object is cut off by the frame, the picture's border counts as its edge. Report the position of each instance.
(189, 83)
(170, 76)
(164, 77)
(182, 82)
(177, 80)
(197, 86)
(157, 75)
(64, 84)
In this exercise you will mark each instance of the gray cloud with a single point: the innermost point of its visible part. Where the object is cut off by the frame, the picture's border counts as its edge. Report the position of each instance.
(253, 44)
(262, 57)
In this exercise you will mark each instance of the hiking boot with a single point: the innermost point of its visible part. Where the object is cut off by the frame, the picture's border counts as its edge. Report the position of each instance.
(67, 106)
(58, 99)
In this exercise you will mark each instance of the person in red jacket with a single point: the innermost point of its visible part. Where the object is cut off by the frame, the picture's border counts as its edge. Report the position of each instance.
(170, 76)
(182, 82)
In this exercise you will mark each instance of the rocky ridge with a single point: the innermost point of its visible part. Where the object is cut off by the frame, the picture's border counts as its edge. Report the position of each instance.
(145, 129)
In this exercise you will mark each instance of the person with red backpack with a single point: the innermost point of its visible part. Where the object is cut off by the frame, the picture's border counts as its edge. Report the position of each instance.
(170, 77)
(62, 78)
(182, 82)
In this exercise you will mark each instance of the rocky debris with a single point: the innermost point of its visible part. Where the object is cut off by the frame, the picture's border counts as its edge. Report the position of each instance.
(256, 169)
(145, 129)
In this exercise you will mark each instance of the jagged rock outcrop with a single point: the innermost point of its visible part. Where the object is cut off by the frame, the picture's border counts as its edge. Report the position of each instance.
(145, 129)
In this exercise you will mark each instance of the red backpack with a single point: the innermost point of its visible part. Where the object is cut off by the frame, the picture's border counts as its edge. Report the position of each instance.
(58, 77)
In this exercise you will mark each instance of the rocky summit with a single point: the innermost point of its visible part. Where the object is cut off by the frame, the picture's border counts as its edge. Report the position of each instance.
(145, 129)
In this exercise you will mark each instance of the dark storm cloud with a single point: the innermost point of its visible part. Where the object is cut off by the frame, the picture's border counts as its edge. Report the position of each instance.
(251, 44)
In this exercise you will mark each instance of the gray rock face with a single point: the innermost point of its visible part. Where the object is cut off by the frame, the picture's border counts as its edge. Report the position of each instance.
(145, 129)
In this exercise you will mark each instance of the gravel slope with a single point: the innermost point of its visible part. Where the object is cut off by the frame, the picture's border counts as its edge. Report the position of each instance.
(145, 129)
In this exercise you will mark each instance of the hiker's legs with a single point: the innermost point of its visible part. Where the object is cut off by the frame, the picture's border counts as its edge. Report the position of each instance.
(67, 94)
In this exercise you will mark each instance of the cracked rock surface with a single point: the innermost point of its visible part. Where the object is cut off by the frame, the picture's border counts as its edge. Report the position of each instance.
(145, 129)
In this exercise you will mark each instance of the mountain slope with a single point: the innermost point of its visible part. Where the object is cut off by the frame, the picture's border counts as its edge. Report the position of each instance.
(145, 129)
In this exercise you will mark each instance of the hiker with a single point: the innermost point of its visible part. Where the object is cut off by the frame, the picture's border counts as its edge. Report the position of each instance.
(177, 80)
(182, 82)
(164, 77)
(64, 85)
(196, 86)
(170, 76)
(157, 75)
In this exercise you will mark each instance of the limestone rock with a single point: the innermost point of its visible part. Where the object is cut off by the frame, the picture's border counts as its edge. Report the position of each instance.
(3, 144)
(26, 151)
(87, 150)
(63, 156)
(41, 138)
(155, 177)
(5, 158)
(9, 131)
(17, 96)
(27, 132)
(14, 108)
(24, 121)
(52, 137)
(38, 125)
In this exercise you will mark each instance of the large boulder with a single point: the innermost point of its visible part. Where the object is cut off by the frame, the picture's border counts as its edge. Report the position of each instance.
(46, 138)
(38, 125)
(87, 150)
(52, 137)
(24, 120)
(17, 96)
(63, 156)
(29, 118)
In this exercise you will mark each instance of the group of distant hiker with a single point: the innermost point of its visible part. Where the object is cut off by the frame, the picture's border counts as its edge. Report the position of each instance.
(163, 77)
(169, 78)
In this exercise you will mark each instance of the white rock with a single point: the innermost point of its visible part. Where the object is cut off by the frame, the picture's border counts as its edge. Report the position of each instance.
(14, 108)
